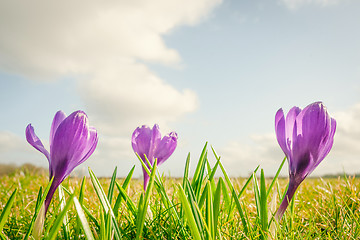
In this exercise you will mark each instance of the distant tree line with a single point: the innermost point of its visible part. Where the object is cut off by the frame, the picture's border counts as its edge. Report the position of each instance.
(26, 168)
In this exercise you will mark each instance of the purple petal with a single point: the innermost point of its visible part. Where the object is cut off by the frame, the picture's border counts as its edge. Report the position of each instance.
(166, 147)
(154, 144)
(290, 130)
(314, 127)
(280, 130)
(35, 141)
(58, 118)
(140, 141)
(92, 143)
(313, 123)
(326, 144)
(72, 143)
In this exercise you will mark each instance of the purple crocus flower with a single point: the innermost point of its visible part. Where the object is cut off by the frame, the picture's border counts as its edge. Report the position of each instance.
(72, 141)
(147, 141)
(306, 137)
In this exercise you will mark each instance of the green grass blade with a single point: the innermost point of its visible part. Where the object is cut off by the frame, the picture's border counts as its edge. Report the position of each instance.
(193, 202)
(203, 196)
(143, 164)
(121, 195)
(144, 207)
(3, 237)
(186, 170)
(189, 214)
(216, 205)
(59, 220)
(39, 203)
(257, 196)
(92, 218)
(7, 209)
(263, 204)
(247, 182)
(235, 197)
(65, 224)
(102, 226)
(197, 179)
(213, 171)
(82, 190)
(105, 203)
(131, 206)
(112, 186)
(210, 211)
(84, 223)
(140, 210)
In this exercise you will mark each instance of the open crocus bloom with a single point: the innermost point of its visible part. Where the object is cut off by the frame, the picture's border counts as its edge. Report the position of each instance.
(72, 141)
(147, 141)
(306, 137)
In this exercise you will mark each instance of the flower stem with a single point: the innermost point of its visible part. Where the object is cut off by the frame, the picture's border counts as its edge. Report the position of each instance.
(50, 194)
(293, 185)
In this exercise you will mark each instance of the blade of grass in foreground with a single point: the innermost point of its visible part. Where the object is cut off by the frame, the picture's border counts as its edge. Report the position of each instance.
(59, 220)
(82, 218)
(112, 186)
(65, 225)
(39, 203)
(263, 205)
(144, 207)
(216, 205)
(234, 195)
(6, 210)
(124, 187)
(105, 203)
(189, 215)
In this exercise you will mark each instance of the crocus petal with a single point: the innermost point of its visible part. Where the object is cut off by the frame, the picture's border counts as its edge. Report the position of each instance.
(166, 147)
(154, 143)
(280, 130)
(327, 143)
(91, 144)
(313, 126)
(313, 123)
(72, 142)
(140, 141)
(35, 141)
(290, 130)
(58, 118)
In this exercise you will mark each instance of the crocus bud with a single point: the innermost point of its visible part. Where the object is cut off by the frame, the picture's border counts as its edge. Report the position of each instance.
(306, 137)
(147, 141)
(72, 141)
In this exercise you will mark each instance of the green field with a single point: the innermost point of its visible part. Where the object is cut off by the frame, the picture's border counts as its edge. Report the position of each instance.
(201, 208)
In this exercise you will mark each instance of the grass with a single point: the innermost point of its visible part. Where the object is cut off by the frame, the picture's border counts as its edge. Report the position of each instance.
(200, 207)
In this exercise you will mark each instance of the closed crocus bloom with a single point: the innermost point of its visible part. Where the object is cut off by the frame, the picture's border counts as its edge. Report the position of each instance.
(72, 141)
(147, 141)
(306, 137)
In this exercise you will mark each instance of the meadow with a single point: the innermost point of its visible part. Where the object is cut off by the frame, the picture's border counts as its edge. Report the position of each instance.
(193, 207)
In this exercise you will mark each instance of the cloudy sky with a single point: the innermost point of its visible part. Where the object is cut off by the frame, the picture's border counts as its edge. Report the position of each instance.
(211, 70)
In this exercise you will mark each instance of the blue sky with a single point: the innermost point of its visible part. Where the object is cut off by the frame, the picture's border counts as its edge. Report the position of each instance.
(212, 70)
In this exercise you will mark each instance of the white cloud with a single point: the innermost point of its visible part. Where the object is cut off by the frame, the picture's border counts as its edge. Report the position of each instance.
(295, 4)
(106, 45)
(118, 106)
(345, 154)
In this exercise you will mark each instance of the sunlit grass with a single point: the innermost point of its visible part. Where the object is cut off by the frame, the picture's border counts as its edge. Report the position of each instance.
(323, 208)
